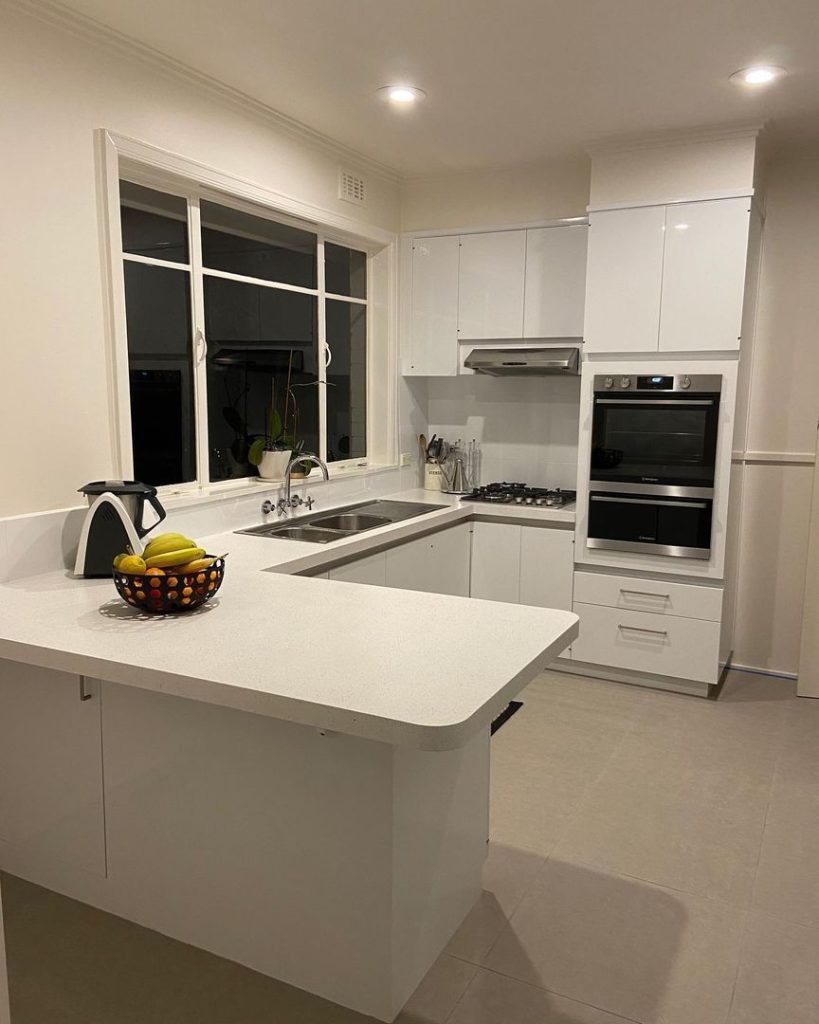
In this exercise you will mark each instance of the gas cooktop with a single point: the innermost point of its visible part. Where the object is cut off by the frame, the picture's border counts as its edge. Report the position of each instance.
(521, 494)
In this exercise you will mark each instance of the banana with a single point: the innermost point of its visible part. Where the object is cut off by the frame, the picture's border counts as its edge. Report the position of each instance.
(167, 542)
(195, 566)
(171, 558)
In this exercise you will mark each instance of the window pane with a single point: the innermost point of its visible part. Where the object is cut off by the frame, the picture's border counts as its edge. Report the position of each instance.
(257, 337)
(346, 381)
(345, 271)
(153, 223)
(158, 312)
(239, 243)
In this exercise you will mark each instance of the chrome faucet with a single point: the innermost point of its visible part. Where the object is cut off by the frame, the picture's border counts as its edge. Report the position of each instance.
(287, 501)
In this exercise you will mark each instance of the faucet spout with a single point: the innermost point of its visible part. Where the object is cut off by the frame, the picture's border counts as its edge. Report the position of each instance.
(295, 461)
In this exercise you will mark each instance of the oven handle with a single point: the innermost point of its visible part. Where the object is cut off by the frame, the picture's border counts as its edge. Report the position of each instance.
(650, 501)
(654, 401)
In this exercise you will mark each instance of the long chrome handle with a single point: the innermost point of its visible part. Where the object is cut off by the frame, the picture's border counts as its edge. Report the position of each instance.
(649, 501)
(645, 593)
(640, 629)
(654, 401)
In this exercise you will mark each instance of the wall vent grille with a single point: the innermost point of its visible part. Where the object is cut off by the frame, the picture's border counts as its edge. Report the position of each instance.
(352, 187)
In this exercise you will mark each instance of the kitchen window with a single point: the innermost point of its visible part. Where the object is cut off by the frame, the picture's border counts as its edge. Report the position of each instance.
(231, 313)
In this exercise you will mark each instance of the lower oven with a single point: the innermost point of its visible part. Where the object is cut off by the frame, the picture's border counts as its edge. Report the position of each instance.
(669, 521)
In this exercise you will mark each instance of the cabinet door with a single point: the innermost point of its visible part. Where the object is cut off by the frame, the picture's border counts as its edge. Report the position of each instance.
(546, 567)
(436, 564)
(555, 282)
(490, 285)
(496, 562)
(434, 307)
(624, 280)
(51, 766)
(706, 246)
(372, 570)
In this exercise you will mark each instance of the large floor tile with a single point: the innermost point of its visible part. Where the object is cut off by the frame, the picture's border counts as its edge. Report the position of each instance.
(778, 980)
(633, 949)
(438, 994)
(665, 818)
(495, 999)
(787, 880)
(507, 875)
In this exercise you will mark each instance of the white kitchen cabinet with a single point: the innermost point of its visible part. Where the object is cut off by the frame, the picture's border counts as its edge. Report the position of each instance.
(555, 288)
(437, 563)
(706, 247)
(491, 285)
(372, 569)
(546, 567)
(624, 280)
(51, 800)
(496, 562)
(433, 326)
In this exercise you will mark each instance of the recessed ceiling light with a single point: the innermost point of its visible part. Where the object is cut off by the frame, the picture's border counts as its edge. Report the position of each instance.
(761, 74)
(401, 95)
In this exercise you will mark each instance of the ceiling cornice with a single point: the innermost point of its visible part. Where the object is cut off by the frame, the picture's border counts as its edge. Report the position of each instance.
(685, 137)
(79, 24)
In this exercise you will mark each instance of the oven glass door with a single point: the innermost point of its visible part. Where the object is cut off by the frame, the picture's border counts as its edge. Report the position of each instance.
(655, 525)
(655, 440)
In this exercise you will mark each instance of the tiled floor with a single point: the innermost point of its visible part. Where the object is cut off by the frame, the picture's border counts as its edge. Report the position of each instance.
(654, 858)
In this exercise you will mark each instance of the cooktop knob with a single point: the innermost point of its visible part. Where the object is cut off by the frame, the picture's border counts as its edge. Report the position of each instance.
(685, 382)
(518, 500)
(625, 382)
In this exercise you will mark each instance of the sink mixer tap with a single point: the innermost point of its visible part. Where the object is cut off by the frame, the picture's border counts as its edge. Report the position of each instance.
(288, 501)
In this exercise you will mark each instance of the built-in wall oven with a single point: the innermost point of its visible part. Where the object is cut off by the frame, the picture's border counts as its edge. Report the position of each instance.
(654, 446)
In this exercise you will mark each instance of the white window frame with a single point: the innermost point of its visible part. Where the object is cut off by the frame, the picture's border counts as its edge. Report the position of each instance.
(143, 164)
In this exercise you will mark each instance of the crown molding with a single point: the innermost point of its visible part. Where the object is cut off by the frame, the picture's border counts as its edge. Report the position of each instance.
(666, 138)
(54, 13)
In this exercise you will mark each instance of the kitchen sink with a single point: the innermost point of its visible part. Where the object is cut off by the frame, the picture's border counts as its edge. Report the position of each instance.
(327, 527)
(351, 522)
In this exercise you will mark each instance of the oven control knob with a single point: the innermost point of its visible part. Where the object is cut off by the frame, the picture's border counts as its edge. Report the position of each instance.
(608, 382)
(685, 382)
(625, 382)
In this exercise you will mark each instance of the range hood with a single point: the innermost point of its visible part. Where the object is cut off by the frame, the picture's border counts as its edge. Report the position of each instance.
(524, 362)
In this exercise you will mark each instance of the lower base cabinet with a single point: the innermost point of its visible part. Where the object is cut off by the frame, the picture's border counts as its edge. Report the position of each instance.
(371, 570)
(51, 802)
(523, 564)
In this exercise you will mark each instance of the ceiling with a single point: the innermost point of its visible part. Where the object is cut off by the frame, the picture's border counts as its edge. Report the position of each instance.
(508, 81)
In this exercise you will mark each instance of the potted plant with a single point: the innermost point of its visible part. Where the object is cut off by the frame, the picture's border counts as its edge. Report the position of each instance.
(271, 452)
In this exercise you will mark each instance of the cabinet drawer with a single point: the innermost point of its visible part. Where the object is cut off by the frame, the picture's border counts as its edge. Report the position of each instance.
(664, 645)
(657, 596)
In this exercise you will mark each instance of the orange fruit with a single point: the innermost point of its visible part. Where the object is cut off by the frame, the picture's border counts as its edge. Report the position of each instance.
(155, 572)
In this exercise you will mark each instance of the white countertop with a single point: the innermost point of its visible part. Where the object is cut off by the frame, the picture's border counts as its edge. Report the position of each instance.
(367, 661)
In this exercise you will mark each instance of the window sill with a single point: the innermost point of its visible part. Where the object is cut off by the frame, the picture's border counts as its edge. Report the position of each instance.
(178, 498)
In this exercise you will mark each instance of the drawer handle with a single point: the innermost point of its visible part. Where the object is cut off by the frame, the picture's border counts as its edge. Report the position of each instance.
(645, 593)
(641, 629)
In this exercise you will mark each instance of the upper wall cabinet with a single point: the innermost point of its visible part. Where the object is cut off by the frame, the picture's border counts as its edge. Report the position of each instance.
(667, 278)
(555, 282)
(491, 285)
(433, 326)
(487, 286)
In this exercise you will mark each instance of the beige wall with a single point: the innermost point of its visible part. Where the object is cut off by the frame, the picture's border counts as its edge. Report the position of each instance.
(57, 88)
(496, 198)
(782, 414)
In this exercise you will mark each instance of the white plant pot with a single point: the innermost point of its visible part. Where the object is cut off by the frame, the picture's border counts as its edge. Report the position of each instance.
(273, 465)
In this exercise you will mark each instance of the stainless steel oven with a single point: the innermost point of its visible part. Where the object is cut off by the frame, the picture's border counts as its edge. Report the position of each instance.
(651, 479)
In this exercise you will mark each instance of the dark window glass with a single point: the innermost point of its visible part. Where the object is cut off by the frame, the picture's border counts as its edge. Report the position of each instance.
(345, 271)
(158, 313)
(259, 339)
(346, 380)
(240, 243)
(153, 223)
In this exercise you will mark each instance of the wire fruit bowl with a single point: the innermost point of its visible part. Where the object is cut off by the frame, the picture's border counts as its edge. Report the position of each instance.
(173, 592)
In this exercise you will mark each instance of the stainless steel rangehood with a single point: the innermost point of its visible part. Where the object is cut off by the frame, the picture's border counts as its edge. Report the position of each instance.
(524, 362)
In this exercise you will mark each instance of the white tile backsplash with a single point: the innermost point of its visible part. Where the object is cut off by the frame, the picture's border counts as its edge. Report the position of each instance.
(527, 426)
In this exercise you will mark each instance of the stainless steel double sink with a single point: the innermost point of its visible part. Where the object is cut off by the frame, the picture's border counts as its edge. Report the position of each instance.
(327, 527)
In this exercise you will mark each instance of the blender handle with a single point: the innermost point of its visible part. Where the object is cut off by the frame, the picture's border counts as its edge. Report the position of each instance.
(157, 506)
